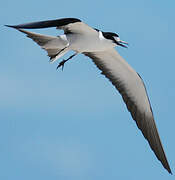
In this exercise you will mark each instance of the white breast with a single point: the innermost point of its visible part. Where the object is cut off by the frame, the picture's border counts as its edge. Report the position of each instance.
(88, 43)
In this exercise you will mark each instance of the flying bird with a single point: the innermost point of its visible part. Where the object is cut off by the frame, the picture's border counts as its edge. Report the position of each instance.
(99, 46)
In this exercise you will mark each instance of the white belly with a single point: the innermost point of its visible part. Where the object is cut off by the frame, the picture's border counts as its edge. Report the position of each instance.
(90, 43)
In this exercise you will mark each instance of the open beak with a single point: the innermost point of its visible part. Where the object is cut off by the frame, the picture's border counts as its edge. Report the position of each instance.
(122, 43)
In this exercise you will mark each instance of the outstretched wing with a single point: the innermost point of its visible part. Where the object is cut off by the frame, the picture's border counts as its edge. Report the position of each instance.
(55, 46)
(69, 25)
(132, 89)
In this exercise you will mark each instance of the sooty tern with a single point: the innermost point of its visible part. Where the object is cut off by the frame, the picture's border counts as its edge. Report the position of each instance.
(99, 46)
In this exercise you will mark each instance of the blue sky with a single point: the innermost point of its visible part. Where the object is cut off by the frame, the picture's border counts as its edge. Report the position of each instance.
(73, 125)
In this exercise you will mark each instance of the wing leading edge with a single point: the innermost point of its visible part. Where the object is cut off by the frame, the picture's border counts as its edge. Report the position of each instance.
(69, 25)
(134, 94)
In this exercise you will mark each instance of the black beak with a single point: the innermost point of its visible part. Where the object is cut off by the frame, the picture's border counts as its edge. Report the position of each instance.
(121, 43)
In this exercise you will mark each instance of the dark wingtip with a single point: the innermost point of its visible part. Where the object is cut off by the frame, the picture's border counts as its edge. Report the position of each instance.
(169, 170)
(167, 167)
(46, 24)
(11, 26)
(8, 25)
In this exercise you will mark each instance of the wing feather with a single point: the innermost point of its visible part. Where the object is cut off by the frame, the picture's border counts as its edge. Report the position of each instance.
(52, 44)
(69, 25)
(133, 91)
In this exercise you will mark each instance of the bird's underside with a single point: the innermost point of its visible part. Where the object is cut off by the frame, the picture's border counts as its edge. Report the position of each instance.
(113, 66)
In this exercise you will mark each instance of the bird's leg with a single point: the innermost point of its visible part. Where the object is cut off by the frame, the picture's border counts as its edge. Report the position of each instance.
(60, 51)
(61, 64)
(55, 55)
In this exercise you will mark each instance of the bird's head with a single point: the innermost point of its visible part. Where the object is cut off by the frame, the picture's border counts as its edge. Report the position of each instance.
(115, 38)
